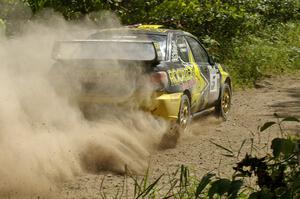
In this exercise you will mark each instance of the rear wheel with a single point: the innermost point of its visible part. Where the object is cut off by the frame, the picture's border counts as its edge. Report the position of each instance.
(224, 104)
(171, 137)
(184, 114)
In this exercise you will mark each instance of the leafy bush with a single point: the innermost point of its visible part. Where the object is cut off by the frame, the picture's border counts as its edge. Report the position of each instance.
(2, 28)
(249, 36)
(220, 19)
(278, 175)
(272, 51)
(14, 13)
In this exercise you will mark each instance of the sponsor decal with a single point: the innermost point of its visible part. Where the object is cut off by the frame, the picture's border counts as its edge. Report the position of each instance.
(178, 76)
(214, 79)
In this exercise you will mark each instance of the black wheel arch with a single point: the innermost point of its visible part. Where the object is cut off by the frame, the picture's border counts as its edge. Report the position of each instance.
(188, 93)
(228, 81)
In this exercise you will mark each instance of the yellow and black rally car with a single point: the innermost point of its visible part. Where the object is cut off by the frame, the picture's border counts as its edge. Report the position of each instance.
(190, 82)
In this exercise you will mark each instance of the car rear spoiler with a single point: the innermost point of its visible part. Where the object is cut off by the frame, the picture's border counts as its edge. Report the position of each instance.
(105, 50)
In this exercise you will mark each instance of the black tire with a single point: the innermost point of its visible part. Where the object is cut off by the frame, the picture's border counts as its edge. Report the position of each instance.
(171, 137)
(224, 103)
(184, 115)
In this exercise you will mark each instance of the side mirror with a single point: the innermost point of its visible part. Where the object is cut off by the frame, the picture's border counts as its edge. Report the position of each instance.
(211, 60)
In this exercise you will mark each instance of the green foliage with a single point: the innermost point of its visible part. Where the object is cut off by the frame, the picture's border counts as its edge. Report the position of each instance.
(274, 50)
(69, 8)
(2, 28)
(282, 146)
(278, 175)
(252, 37)
(11, 9)
(221, 20)
(203, 183)
(14, 13)
(225, 187)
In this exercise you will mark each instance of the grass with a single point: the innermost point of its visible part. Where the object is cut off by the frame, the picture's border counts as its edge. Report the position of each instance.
(180, 185)
(273, 51)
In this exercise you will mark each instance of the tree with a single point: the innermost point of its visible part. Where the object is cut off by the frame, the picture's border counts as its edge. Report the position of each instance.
(2, 28)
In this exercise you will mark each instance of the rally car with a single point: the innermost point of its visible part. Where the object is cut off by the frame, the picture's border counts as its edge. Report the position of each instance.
(189, 81)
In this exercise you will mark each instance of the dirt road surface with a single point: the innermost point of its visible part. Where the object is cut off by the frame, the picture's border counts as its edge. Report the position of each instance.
(251, 108)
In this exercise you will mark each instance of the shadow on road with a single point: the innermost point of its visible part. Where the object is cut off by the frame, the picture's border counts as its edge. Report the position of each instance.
(289, 107)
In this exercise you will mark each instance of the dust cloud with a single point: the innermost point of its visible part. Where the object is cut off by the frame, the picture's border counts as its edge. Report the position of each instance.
(44, 137)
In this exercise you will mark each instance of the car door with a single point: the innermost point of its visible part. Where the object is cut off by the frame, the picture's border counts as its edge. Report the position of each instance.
(210, 72)
(184, 71)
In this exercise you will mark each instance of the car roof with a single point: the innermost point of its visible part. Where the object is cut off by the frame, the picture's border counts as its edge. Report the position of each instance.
(144, 29)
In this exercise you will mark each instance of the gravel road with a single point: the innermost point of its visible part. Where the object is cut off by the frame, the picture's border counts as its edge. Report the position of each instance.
(251, 108)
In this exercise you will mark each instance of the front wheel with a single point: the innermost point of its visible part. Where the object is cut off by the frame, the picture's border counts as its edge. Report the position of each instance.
(224, 104)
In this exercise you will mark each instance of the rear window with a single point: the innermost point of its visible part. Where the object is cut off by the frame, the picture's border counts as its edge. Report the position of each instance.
(160, 41)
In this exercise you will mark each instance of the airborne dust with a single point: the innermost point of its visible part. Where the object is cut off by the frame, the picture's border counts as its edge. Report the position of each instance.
(44, 137)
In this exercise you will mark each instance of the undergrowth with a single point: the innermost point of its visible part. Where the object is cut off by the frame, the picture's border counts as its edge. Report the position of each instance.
(273, 51)
(253, 38)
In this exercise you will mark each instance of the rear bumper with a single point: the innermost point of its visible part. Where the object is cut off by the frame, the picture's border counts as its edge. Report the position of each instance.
(167, 106)
(162, 105)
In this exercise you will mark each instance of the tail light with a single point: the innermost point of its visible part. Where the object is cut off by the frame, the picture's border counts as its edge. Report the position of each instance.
(160, 80)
